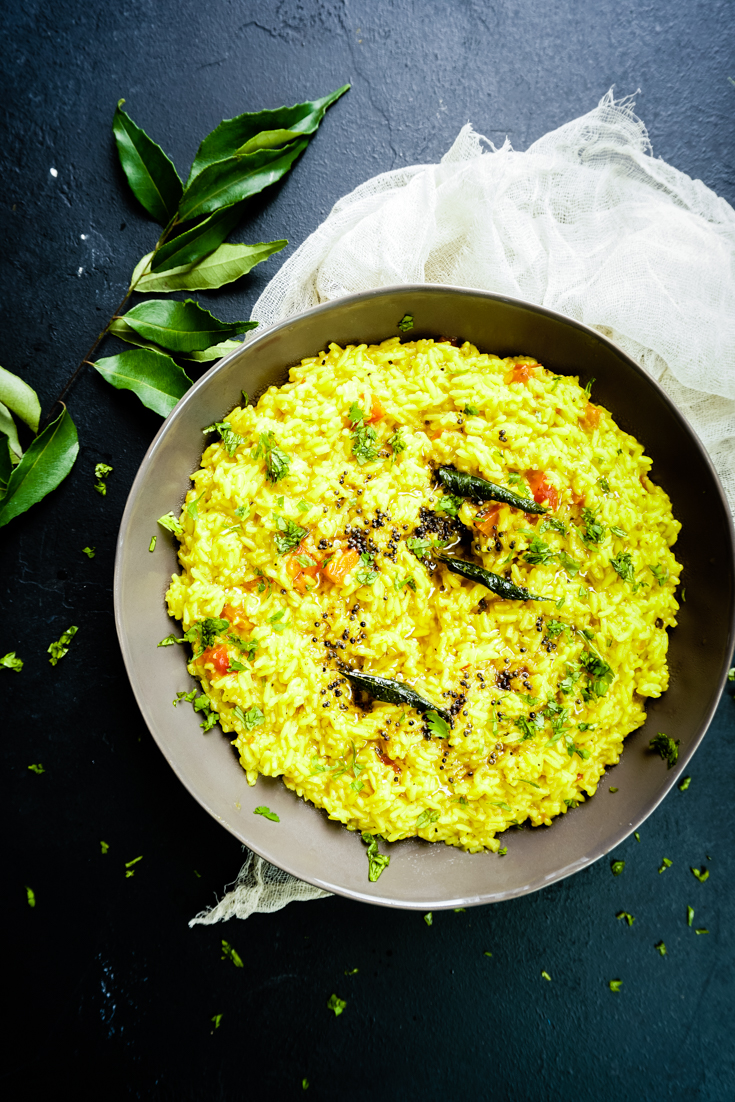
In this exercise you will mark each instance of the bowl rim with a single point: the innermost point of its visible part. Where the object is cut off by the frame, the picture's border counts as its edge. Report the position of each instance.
(541, 881)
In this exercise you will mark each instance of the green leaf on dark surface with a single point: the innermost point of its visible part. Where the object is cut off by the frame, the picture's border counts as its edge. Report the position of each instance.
(46, 463)
(21, 399)
(154, 377)
(224, 265)
(181, 326)
(9, 430)
(217, 351)
(233, 134)
(197, 242)
(118, 327)
(151, 175)
(269, 139)
(238, 177)
(8, 459)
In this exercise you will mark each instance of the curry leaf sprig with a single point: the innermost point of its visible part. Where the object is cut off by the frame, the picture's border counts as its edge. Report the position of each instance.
(240, 158)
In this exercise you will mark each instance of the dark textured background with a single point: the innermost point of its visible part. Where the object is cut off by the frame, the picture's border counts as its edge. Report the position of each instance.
(111, 994)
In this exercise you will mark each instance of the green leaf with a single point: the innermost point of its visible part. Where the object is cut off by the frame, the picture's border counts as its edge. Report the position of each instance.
(233, 134)
(8, 459)
(217, 351)
(152, 177)
(236, 178)
(224, 265)
(198, 242)
(118, 327)
(269, 139)
(180, 326)
(46, 463)
(8, 429)
(20, 398)
(143, 265)
(154, 377)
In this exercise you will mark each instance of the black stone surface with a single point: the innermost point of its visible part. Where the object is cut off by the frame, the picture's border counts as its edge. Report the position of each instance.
(110, 994)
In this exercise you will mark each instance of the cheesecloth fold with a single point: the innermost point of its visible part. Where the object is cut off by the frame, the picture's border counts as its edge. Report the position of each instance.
(586, 222)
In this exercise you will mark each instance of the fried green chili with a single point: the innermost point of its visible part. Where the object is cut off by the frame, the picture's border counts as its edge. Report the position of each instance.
(392, 692)
(493, 582)
(461, 484)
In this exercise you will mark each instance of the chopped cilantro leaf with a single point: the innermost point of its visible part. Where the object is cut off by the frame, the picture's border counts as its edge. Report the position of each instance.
(303, 506)
(660, 573)
(730, 673)
(366, 575)
(406, 323)
(171, 524)
(556, 627)
(437, 724)
(472, 411)
(701, 875)
(152, 544)
(266, 813)
(571, 803)
(539, 552)
(336, 1004)
(243, 511)
(235, 667)
(377, 862)
(428, 815)
(690, 915)
(449, 505)
(701, 930)
(104, 847)
(59, 649)
(599, 673)
(277, 462)
(637, 836)
(551, 524)
(546, 976)
(487, 954)
(89, 552)
(611, 789)
(351, 971)
(623, 565)
(37, 768)
(289, 535)
(205, 632)
(615, 985)
(170, 640)
(604, 485)
(10, 661)
(429, 918)
(661, 948)
(101, 472)
(593, 532)
(588, 388)
(665, 864)
(666, 747)
(193, 507)
(216, 1018)
(363, 437)
(406, 581)
(684, 783)
(228, 953)
(231, 439)
(184, 696)
(570, 565)
(616, 867)
(30, 896)
(502, 851)
(396, 441)
(252, 718)
(304, 1084)
(626, 916)
(518, 480)
(620, 532)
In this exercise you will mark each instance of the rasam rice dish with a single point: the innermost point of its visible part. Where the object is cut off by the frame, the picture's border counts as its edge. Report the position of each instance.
(427, 587)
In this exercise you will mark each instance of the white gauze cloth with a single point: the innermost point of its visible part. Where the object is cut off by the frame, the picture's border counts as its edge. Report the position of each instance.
(586, 222)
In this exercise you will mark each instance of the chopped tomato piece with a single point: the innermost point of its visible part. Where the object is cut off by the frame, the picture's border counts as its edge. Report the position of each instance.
(235, 616)
(300, 572)
(340, 566)
(386, 760)
(578, 499)
(486, 521)
(520, 373)
(591, 414)
(376, 412)
(217, 657)
(541, 489)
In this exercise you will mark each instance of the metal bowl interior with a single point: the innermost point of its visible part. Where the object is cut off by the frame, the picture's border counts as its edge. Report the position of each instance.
(305, 842)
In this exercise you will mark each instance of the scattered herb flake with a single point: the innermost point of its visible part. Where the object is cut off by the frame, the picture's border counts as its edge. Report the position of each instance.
(10, 661)
(104, 847)
(690, 915)
(569, 565)
(593, 532)
(171, 524)
(701, 875)
(363, 437)
(437, 724)
(471, 411)
(406, 323)
(629, 918)
(252, 718)
(228, 953)
(604, 485)
(396, 441)
(623, 565)
(37, 768)
(546, 976)
(216, 1018)
(637, 836)
(487, 954)
(502, 851)
(101, 472)
(684, 783)
(620, 532)
(615, 985)
(266, 813)
(59, 649)
(612, 789)
(449, 505)
(277, 462)
(231, 439)
(351, 971)
(665, 864)
(588, 388)
(170, 640)
(31, 896)
(661, 948)
(539, 553)
(666, 747)
(377, 862)
(336, 1004)
(193, 507)
(428, 815)
(152, 544)
(616, 867)
(701, 930)
(429, 918)
(89, 552)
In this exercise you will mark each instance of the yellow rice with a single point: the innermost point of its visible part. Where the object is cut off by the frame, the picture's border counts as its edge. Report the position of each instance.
(448, 635)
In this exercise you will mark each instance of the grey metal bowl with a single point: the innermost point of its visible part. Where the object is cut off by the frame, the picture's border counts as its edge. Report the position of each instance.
(305, 842)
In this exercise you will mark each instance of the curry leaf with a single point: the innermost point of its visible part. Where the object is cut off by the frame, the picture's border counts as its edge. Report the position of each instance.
(46, 463)
(153, 376)
(235, 134)
(217, 351)
(151, 175)
(236, 178)
(198, 242)
(8, 429)
(118, 327)
(20, 398)
(181, 326)
(224, 265)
